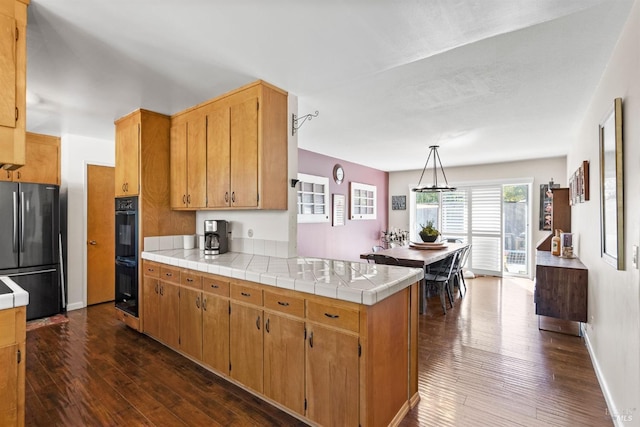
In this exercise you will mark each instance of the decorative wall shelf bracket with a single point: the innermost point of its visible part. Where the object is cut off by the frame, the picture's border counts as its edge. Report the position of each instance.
(297, 122)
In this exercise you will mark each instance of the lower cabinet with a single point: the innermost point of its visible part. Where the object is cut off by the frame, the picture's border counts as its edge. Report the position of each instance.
(12, 361)
(284, 340)
(246, 345)
(321, 358)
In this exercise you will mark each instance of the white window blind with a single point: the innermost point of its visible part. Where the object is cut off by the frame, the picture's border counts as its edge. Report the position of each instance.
(486, 229)
(455, 215)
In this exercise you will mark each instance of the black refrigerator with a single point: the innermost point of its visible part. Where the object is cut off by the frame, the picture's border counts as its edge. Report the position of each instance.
(29, 243)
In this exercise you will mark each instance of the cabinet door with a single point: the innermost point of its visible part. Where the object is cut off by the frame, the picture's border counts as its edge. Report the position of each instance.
(218, 158)
(284, 361)
(150, 305)
(127, 156)
(244, 153)
(170, 314)
(332, 377)
(197, 160)
(215, 332)
(8, 71)
(191, 322)
(178, 168)
(9, 385)
(246, 346)
(42, 161)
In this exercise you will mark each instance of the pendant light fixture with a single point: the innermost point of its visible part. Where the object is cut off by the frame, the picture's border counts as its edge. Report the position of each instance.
(424, 188)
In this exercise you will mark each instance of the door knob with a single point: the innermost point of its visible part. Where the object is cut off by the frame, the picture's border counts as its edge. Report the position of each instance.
(93, 242)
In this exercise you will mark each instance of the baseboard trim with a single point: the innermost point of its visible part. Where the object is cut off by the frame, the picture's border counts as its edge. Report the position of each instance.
(611, 407)
(75, 306)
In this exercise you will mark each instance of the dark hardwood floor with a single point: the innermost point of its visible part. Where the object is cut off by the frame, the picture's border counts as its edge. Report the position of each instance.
(484, 363)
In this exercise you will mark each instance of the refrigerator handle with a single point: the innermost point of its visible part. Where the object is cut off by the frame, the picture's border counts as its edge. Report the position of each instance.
(22, 221)
(15, 222)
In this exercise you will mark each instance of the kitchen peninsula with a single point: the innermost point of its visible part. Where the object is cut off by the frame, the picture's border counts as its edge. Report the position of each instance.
(332, 342)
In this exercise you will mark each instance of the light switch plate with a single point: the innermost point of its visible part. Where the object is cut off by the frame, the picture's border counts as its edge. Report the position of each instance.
(635, 256)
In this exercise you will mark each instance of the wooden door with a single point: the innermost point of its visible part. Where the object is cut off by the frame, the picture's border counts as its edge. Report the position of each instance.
(332, 377)
(215, 332)
(191, 322)
(151, 306)
(169, 314)
(284, 361)
(100, 234)
(178, 168)
(246, 343)
(197, 160)
(244, 153)
(218, 158)
(9, 385)
(127, 156)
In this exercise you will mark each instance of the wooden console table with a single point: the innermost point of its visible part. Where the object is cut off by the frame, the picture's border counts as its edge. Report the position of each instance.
(561, 287)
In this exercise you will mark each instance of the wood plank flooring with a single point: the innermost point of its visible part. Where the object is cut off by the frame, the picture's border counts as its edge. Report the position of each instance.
(484, 363)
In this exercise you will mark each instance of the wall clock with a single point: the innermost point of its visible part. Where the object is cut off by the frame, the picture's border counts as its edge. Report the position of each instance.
(338, 174)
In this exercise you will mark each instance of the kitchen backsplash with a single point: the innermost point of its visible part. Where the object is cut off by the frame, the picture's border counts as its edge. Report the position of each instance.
(272, 248)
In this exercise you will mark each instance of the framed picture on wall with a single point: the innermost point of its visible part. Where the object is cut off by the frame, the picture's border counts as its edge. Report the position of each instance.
(546, 204)
(398, 203)
(339, 209)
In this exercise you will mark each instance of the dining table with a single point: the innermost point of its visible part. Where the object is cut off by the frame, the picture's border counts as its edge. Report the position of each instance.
(418, 257)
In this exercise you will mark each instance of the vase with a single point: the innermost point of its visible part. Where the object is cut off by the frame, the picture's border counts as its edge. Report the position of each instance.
(427, 238)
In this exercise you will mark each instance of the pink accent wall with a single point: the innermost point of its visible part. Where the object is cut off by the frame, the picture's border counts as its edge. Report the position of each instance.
(345, 242)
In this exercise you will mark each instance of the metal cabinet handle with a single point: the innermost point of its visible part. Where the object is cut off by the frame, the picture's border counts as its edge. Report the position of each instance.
(215, 286)
(156, 288)
(233, 196)
(19, 175)
(161, 289)
(151, 270)
(189, 279)
(332, 316)
(198, 301)
(168, 274)
(311, 340)
(258, 322)
(189, 199)
(245, 294)
(266, 326)
(93, 242)
(226, 197)
(184, 199)
(204, 304)
(284, 304)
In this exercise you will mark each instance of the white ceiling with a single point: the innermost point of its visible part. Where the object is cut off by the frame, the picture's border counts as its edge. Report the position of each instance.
(487, 80)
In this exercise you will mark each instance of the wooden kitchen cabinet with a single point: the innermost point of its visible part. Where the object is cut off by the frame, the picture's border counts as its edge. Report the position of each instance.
(332, 367)
(246, 149)
(127, 155)
(13, 362)
(215, 323)
(284, 340)
(42, 161)
(246, 340)
(151, 298)
(189, 161)
(169, 325)
(561, 287)
(191, 313)
(13, 82)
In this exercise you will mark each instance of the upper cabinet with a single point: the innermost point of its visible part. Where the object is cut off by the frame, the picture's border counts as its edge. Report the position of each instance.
(42, 161)
(189, 161)
(246, 151)
(128, 155)
(13, 82)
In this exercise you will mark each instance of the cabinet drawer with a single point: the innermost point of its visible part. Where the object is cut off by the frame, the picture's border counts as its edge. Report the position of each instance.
(191, 279)
(340, 317)
(284, 304)
(246, 294)
(170, 275)
(215, 286)
(151, 269)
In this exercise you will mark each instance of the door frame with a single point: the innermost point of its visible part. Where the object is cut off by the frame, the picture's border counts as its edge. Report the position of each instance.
(85, 209)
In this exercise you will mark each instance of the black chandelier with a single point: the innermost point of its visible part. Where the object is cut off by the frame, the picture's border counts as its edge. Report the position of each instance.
(424, 188)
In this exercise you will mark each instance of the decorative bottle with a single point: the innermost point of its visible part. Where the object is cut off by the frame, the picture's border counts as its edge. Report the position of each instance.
(555, 243)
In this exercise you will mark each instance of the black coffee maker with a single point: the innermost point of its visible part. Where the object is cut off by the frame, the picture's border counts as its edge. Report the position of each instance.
(215, 237)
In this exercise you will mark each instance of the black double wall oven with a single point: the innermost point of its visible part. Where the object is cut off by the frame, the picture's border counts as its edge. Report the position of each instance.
(127, 254)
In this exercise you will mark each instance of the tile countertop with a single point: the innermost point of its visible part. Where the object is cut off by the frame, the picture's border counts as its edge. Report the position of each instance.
(358, 282)
(16, 298)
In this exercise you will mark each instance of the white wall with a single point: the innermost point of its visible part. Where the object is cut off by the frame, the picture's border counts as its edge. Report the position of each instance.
(76, 153)
(613, 329)
(541, 170)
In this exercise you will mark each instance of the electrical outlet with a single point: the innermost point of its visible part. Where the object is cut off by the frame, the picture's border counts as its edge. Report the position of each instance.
(635, 256)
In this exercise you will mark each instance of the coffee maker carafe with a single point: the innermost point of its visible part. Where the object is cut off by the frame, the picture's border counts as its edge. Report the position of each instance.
(215, 237)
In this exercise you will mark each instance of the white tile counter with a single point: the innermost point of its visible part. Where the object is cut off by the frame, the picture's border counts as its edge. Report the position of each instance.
(18, 297)
(357, 282)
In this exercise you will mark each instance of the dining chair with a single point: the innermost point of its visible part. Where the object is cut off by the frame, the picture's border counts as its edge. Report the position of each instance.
(458, 274)
(440, 276)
